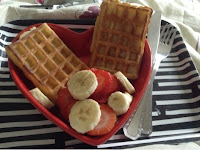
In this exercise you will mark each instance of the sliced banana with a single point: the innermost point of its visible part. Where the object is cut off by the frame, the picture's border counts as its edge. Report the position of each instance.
(41, 98)
(82, 84)
(84, 115)
(27, 32)
(125, 82)
(120, 102)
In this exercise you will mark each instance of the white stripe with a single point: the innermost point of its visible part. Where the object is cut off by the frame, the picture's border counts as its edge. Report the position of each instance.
(117, 136)
(10, 92)
(19, 112)
(178, 101)
(5, 76)
(160, 133)
(176, 76)
(175, 120)
(2, 48)
(155, 113)
(162, 84)
(175, 63)
(198, 86)
(177, 43)
(168, 92)
(13, 100)
(3, 58)
(7, 83)
(25, 124)
(160, 139)
(178, 52)
(174, 69)
(5, 42)
(173, 132)
(27, 143)
(171, 59)
(177, 36)
(14, 26)
(30, 132)
(4, 69)
(72, 142)
(182, 111)
(8, 34)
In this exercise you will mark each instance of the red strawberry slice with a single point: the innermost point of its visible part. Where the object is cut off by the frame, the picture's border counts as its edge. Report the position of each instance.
(115, 85)
(106, 123)
(103, 78)
(107, 84)
(65, 102)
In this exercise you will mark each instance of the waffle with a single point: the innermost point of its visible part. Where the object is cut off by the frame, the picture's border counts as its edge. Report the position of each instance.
(119, 37)
(45, 60)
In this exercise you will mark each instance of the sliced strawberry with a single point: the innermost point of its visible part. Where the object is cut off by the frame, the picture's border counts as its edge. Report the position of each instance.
(104, 80)
(106, 123)
(65, 102)
(115, 86)
(100, 98)
(107, 84)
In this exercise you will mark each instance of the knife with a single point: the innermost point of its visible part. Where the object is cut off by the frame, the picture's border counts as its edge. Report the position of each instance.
(136, 125)
(153, 39)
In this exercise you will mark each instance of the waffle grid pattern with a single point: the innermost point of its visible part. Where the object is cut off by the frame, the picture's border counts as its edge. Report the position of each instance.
(119, 37)
(47, 58)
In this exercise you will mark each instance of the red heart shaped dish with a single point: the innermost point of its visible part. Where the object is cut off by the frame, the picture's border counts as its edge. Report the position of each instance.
(80, 43)
(95, 79)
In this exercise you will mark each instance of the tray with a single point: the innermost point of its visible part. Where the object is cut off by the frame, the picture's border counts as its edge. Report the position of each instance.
(175, 102)
(80, 43)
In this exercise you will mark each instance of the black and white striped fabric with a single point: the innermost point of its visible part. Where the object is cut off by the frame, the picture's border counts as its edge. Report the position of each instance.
(176, 102)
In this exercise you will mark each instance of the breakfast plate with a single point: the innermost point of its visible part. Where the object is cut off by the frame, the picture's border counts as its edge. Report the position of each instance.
(176, 101)
(80, 43)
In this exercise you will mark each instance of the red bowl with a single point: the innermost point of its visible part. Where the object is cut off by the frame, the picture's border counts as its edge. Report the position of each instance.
(80, 43)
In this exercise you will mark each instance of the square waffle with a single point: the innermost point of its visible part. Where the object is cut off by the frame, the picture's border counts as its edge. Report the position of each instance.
(119, 37)
(45, 60)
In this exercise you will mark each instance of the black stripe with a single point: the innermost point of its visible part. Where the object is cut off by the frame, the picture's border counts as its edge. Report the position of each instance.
(75, 22)
(7, 29)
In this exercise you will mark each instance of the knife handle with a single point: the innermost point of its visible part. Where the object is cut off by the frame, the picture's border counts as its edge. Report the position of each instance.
(133, 127)
(147, 117)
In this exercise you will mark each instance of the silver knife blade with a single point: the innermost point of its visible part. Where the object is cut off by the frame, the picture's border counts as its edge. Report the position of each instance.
(153, 39)
(153, 35)
(133, 128)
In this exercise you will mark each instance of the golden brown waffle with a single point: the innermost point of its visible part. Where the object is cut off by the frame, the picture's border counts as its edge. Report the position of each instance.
(119, 37)
(45, 60)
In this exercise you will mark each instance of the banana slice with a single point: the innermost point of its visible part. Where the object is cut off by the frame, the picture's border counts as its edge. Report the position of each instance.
(27, 32)
(120, 102)
(125, 82)
(84, 115)
(41, 98)
(82, 84)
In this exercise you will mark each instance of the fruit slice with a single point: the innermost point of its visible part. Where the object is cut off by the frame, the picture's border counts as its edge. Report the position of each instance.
(125, 82)
(84, 115)
(41, 98)
(115, 86)
(82, 84)
(65, 102)
(104, 80)
(106, 123)
(120, 102)
(107, 84)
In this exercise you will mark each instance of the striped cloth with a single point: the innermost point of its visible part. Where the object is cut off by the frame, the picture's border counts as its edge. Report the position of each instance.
(176, 102)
